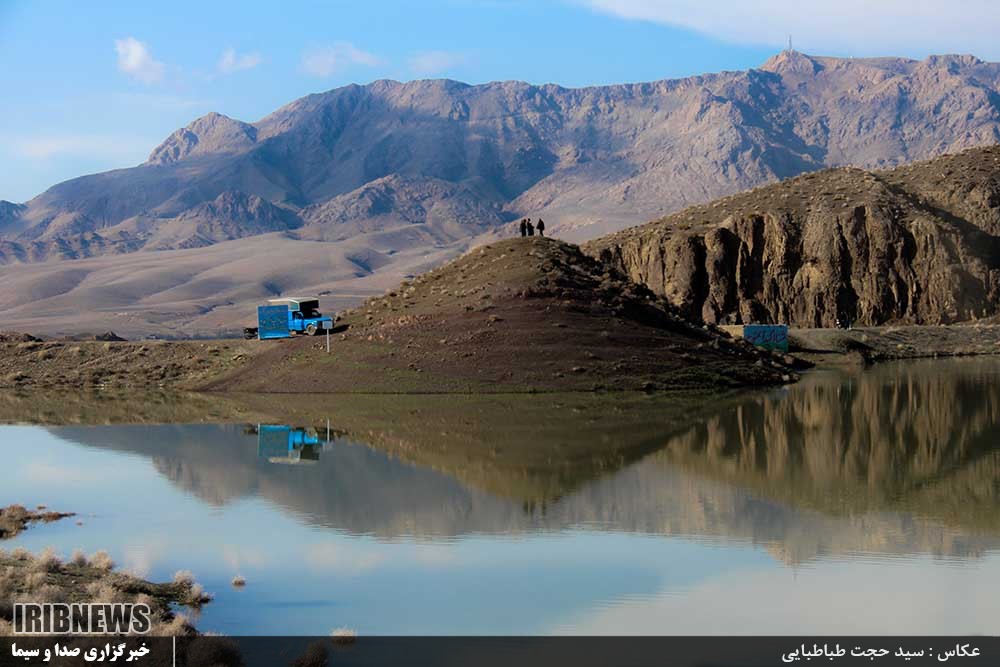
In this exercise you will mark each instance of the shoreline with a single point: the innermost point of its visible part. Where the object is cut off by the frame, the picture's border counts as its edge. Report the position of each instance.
(46, 577)
(203, 367)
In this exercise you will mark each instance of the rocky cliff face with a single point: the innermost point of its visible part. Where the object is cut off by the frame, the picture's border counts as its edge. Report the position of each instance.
(917, 245)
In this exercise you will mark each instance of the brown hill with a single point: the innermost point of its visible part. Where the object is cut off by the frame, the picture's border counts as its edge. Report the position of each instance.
(918, 244)
(361, 182)
(522, 314)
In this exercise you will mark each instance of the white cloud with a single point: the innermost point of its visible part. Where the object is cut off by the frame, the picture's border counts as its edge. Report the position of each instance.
(231, 61)
(435, 62)
(325, 61)
(136, 60)
(856, 27)
(118, 147)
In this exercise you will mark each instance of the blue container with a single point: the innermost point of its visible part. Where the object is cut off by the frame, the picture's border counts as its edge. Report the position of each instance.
(284, 444)
(272, 322)
(767, 336)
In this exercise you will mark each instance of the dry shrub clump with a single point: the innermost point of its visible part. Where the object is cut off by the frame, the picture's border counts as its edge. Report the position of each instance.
(177, 626)
(102, 561)
(184, 577)
(46, 578)
(344, 635)
(47, 561)
(197, 596)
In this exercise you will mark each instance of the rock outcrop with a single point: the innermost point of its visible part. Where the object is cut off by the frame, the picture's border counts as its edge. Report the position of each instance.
(210, 134)
(917, 244)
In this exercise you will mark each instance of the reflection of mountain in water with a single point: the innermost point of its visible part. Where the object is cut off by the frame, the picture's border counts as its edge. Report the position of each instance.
(922, 437)
(901, 459)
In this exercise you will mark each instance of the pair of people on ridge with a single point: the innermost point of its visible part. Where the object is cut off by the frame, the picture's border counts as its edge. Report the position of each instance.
(528, 229)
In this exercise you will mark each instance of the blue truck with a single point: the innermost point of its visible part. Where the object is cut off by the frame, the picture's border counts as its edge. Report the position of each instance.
(282, 318)
(280, 443)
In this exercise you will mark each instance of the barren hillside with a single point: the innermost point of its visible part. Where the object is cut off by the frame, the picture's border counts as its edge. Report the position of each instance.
(919, 244)
(518, 315)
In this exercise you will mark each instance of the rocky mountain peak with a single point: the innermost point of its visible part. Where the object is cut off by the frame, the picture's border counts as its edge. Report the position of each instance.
(212, 133)
(791, 62)
(953, 60)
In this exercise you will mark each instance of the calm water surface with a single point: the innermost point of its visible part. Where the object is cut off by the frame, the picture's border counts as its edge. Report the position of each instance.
(855, 502)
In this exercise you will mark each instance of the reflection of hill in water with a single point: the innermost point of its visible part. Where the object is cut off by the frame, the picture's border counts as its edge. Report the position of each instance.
(921, 437)
(901, 459)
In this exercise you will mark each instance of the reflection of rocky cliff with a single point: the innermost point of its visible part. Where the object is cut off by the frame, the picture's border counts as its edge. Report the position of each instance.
(922, 437)
(898, 460)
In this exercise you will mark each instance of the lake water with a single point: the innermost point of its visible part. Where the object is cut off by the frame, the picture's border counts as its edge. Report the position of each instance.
(862, 502)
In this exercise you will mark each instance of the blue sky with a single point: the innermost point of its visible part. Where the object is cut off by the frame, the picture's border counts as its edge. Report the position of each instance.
(95, 86)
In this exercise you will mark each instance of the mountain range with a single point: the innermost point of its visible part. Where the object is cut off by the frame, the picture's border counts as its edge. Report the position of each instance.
(343, 193)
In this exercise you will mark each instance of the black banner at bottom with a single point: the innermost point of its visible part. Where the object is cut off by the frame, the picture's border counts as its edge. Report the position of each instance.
(490, 651)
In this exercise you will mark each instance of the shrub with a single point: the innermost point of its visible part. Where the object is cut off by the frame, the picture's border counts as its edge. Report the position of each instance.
(344, 635)
(184, 577)
(197, 596)
(47, 561)
(102, 561)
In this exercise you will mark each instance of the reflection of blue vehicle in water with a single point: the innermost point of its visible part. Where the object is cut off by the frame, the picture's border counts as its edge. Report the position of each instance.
(284, 444)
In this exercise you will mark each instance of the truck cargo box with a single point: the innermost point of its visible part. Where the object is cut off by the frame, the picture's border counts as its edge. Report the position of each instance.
(272, 322)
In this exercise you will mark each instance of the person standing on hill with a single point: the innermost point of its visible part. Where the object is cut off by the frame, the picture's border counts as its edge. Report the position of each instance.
(540, 227)
(531, 228)
(524, 227)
